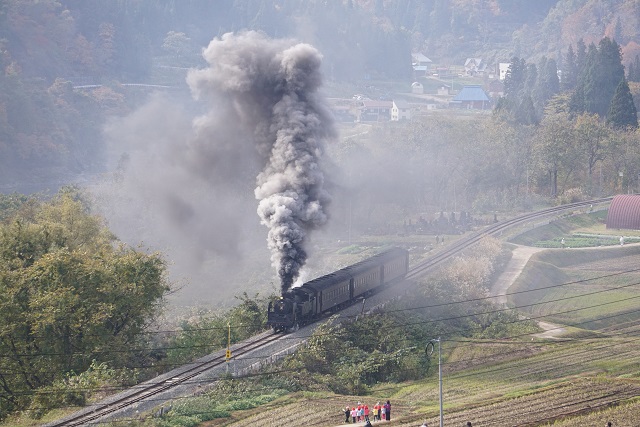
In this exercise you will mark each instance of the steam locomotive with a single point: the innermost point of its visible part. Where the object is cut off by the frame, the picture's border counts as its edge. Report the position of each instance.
(332, 292)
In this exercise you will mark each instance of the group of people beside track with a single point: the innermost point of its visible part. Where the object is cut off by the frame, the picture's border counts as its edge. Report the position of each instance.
(362, 412)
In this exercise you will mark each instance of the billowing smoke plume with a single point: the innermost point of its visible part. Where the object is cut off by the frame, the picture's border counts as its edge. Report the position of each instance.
(272, 86)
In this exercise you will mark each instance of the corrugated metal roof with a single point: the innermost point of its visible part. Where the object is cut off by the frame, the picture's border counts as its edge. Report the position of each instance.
(624, 212)
(471, 93)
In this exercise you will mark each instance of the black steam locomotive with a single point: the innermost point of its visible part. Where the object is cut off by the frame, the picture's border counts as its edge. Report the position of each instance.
(337, 290)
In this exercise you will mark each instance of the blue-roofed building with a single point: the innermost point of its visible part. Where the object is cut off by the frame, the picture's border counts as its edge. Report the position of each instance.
(472, 97)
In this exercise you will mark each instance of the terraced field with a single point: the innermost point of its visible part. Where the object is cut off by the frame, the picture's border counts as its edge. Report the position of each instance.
(587, 377)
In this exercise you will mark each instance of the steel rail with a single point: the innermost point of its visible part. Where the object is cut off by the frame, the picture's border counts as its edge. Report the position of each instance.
(156, 387)
(492, 230)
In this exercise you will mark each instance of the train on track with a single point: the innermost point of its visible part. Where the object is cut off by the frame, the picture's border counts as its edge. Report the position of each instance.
(326, 294)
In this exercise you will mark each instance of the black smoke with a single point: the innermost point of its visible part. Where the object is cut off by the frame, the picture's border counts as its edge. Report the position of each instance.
(271, 89)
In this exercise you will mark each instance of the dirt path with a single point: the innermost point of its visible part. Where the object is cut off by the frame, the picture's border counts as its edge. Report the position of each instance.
(519, 259)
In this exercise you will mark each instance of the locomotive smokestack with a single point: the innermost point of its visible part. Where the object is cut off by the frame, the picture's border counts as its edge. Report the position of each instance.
(272, 87)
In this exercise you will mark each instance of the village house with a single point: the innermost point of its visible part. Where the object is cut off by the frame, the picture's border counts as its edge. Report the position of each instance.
(420, 64)
(503, 69)
(471, 97)
(474, 67)
(374, 111)
(400, 110)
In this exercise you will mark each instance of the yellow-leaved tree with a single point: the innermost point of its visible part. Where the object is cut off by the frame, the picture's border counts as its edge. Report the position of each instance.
(70, 294)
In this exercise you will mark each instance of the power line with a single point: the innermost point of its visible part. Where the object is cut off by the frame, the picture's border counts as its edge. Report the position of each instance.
(510, 309)
(446, 363)
(394, 311)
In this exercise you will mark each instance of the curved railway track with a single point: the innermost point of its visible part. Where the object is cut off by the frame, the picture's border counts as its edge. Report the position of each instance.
(190, 371)
(494, 230)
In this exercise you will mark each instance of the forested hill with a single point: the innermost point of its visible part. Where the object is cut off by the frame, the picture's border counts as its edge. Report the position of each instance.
(49, 130)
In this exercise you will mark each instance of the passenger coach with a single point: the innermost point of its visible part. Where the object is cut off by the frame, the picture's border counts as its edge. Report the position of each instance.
(337, 290)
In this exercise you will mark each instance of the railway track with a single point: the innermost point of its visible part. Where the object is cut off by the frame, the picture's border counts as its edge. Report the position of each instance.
(495, 230)
(164, 383)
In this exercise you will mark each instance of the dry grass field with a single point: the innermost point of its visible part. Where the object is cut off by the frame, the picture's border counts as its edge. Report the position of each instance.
(586, 377)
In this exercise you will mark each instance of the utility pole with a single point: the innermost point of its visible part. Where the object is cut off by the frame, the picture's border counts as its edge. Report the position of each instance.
(228, 352)
(429, 350)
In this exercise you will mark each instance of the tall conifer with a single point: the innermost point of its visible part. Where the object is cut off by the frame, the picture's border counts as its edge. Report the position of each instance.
(604, 73)
(622, 112)
(569, 71)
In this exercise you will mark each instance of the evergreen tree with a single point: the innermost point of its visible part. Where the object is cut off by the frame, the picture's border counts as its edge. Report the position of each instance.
(622, 112)
(569, 71)
(547, 83)
(525, 114)
(611, 58)
(584, 55)
(604, 73)
(514, 88)
(576, 101)
(514, 81)
(551, 77)
(581, 58)
(633, 74)
(531, 76)
(617, 31)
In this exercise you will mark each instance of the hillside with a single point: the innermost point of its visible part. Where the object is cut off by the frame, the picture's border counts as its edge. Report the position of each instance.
(587, 376)
(49, 47)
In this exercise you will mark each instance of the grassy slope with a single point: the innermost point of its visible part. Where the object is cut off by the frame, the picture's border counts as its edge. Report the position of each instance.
(587, 379)
(529, 382)
(592, 377)
(583, 288)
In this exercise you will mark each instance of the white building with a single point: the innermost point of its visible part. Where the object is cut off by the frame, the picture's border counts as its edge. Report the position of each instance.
(400, 110)
(503, 69)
